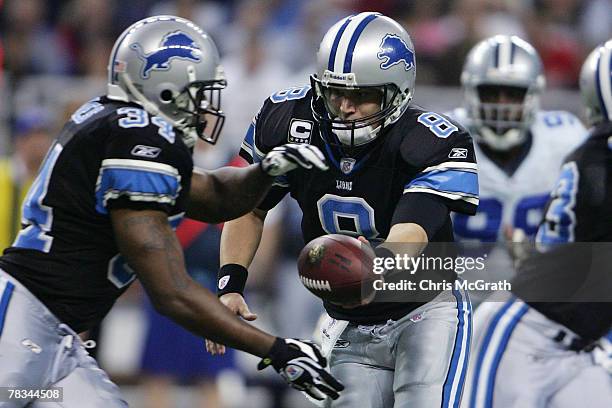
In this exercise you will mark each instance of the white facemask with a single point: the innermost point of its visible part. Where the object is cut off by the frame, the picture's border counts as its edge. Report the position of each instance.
(363, 135)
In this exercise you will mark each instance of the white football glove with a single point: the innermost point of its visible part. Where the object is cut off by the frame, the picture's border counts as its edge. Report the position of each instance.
(283, 159)
(302, 366)
(602, 354)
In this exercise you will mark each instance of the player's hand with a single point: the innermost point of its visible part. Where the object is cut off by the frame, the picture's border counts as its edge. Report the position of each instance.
(602, 354)
(519, 245)
(364, 240)
(283, 159)
(234, 302)
(302, 366)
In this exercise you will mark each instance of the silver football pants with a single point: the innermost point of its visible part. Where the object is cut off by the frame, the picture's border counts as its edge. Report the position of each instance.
(37, 351)
(419, 361)
(518, 360)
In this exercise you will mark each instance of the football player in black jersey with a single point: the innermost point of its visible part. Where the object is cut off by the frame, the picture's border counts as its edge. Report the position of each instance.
(397, 172)
(537, 348)
(101, 212)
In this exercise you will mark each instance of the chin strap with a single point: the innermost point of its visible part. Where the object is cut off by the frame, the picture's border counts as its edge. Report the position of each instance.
(505, 141)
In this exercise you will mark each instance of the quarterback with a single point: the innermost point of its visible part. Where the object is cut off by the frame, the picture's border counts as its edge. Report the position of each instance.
(397, 171)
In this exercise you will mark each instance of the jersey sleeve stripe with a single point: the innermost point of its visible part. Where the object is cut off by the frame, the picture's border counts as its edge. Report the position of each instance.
(137, 184)
(450, 196)
(281, 181)
(246, 153)
(139, 165)
(473, 167)
(250, 135)
(450, 181)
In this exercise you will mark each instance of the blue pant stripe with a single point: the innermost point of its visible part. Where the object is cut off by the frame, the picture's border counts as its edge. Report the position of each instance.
(467, 352)
(4, 302)
(484, 347)
(500, 352)
(452, 371)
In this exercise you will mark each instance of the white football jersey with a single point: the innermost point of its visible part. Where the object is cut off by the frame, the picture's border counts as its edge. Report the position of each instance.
(518, 201)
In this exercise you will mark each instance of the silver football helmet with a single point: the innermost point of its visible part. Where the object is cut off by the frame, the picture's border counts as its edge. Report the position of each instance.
(502, 79)
(369, 57)
(171, 67)
(596, 85)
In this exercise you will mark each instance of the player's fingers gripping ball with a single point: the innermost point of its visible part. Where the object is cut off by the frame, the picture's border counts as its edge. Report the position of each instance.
(338, 268)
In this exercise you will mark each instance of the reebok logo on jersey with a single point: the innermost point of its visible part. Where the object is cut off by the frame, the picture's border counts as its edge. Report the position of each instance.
(458, 153)
(341, 343)
(149, 152)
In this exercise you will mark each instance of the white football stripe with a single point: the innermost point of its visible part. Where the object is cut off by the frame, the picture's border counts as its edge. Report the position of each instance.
(453, 165)
(139, 165)
(346, 39)
(467, 327)
(505, 48)
(453, 196)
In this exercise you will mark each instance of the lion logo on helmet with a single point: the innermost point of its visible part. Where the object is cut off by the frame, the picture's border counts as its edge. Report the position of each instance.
(393, 50)
(174, 45)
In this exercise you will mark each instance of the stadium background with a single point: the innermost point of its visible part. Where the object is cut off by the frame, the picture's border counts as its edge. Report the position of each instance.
(54, 55)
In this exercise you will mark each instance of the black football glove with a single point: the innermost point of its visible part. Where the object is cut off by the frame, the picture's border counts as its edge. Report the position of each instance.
(302, 366)
(283, 159)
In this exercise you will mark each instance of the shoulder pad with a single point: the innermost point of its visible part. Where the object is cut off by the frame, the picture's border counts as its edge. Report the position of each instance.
(430, 138)
(285, 117)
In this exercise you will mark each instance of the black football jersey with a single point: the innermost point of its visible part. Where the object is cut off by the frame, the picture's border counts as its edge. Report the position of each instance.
(579, 211)
(109, 155)
(422, 153)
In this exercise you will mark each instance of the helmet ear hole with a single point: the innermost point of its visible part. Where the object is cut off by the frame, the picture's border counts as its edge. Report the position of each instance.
(166, 96)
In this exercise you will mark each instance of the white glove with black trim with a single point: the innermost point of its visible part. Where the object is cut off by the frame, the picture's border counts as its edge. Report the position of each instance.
(302, 366)
(283, 159)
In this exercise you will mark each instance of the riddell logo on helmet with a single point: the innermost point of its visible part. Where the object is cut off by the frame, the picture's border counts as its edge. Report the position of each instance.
(174, 45)
(340, 77)
(394, 50)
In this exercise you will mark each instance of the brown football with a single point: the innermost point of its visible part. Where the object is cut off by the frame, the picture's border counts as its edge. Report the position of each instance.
(338, 268)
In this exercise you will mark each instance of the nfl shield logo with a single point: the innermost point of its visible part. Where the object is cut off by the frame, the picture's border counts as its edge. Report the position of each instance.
(347, 164)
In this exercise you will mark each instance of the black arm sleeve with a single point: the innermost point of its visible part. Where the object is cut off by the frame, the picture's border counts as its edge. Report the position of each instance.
(427, 210)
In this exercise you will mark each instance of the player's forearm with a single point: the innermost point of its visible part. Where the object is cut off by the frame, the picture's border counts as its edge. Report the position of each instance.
(240, 239)
(226, 193)
(199, 311)
(408, 233)
(407, 239)
(152, 250)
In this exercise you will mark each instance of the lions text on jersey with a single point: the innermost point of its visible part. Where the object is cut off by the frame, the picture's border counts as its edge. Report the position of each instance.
(109, 155)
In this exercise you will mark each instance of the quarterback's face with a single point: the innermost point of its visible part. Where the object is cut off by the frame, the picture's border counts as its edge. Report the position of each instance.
(354, 104)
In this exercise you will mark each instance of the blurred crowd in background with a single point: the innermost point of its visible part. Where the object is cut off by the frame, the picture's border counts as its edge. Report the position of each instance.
(54, 55)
